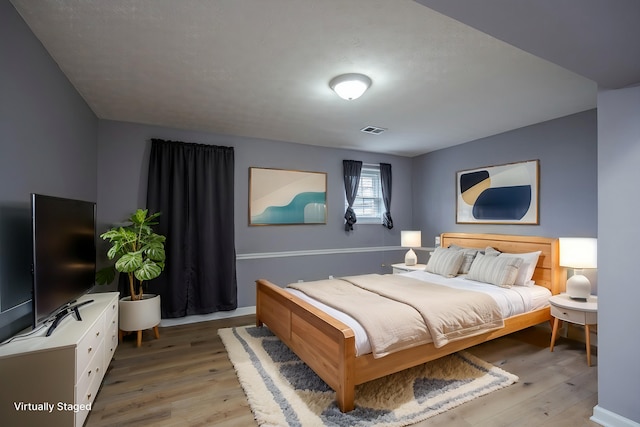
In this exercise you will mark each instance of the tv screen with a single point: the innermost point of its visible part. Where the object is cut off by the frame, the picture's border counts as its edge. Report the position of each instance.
(64, 252)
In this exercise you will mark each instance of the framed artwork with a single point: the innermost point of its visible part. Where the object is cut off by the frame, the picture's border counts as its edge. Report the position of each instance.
(287, 197)
(502, 194)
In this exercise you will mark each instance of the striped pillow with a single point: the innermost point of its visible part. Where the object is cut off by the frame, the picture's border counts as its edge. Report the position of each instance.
(499, 271)
(445, 262)
(467, 260)
(528, 267)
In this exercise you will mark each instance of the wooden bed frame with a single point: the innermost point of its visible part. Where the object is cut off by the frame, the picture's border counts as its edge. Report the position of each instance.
(327, 345)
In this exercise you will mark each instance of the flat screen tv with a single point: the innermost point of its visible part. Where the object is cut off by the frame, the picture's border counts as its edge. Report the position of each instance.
(64, 253)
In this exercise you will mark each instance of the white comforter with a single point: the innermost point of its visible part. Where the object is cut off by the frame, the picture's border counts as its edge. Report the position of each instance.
(516, 300)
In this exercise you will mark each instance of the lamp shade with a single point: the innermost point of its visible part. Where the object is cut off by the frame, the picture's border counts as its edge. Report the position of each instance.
(350, 86)
(411, 239)
(579, 252)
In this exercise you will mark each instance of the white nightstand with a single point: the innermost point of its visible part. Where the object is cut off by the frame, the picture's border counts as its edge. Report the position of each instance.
(575, 311)
(403, 268)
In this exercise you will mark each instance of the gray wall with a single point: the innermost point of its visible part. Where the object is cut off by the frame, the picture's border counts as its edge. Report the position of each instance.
(123, 156)
(48, 145)
(567, 150)
(619, 234)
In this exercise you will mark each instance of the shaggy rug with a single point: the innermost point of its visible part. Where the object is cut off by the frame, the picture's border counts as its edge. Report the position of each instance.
(283, 391)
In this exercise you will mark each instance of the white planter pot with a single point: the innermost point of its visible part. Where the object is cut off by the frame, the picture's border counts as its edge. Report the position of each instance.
(139, 315)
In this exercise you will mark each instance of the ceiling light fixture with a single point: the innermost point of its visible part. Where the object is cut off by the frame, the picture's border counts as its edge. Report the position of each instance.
(350, 86)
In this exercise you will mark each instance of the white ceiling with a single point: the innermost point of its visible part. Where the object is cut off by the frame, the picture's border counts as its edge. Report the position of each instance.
(261, 69)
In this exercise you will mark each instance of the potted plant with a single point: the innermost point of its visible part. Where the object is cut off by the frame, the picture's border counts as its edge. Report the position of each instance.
(139, 253)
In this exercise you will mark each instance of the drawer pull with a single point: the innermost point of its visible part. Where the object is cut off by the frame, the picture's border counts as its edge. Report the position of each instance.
(89, 373)
(89, 396)
(98, 333)
(89, 350)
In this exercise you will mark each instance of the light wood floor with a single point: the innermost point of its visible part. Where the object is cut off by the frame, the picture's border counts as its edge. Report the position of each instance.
(186, 379)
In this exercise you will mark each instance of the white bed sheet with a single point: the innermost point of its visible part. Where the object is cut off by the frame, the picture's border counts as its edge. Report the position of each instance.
(512, 301)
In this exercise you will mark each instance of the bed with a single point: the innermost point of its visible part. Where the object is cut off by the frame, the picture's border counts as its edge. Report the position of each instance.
(328, 345)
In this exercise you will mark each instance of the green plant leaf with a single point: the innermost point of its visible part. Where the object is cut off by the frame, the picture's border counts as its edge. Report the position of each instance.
(113, 251)
(129, 262)
(139, 216)
(105, 275)
(155, 251)
(149, 270)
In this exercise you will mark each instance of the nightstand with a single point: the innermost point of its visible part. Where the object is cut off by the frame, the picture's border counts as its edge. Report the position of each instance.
(403, 268)
(574, 311)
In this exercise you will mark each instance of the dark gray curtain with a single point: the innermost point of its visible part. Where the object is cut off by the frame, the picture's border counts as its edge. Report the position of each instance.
(351, 169)
(192, 185)
(385, 183)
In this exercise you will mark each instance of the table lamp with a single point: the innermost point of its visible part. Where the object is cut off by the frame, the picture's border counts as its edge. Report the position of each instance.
(578, 253)
(410, 239)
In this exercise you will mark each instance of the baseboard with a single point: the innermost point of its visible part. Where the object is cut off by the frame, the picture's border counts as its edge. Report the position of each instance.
(611, 419)
(242, 311)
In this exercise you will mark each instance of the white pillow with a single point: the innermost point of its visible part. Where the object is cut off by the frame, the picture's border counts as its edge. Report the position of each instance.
(528, 266)
(495, 270)
(445, 262)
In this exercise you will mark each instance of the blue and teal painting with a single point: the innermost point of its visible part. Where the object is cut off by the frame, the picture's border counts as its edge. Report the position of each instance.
(304, 208)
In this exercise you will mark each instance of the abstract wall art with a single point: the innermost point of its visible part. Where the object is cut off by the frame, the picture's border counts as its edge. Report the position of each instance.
(287, 197)
(502, 194)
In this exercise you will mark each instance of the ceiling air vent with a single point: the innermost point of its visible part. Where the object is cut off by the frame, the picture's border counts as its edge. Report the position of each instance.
(373, 130)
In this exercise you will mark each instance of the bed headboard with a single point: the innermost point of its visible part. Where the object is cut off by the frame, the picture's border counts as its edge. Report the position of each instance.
(548, 272)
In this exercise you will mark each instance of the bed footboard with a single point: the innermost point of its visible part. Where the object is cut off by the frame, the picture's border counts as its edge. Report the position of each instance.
(325, 344)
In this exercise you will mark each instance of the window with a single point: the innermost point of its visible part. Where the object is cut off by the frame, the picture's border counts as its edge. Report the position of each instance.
(368, 204)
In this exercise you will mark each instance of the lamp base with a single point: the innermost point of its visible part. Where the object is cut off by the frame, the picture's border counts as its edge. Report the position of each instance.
(410, 258)
(578, 287)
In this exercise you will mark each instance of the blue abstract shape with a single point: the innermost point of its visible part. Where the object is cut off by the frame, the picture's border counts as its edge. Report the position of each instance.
(293, 213)
(503, 203)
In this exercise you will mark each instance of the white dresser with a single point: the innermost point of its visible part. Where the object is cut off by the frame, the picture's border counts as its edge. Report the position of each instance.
(53, 380)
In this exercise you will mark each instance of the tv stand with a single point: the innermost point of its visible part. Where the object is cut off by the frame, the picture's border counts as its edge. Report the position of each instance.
(64, 370)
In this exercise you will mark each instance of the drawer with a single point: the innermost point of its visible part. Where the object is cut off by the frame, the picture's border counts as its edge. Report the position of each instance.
(574, 316)
(112, 310)
(88, 346)
(94, 371)
(111, 321)
(87, 388)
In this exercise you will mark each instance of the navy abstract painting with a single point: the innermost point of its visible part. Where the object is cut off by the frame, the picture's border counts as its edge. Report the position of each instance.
(506, 194)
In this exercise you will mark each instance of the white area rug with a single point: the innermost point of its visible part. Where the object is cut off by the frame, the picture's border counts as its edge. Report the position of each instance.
(283, 391)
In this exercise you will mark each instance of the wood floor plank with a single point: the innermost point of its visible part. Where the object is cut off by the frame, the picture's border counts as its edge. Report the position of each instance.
(186, 379)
